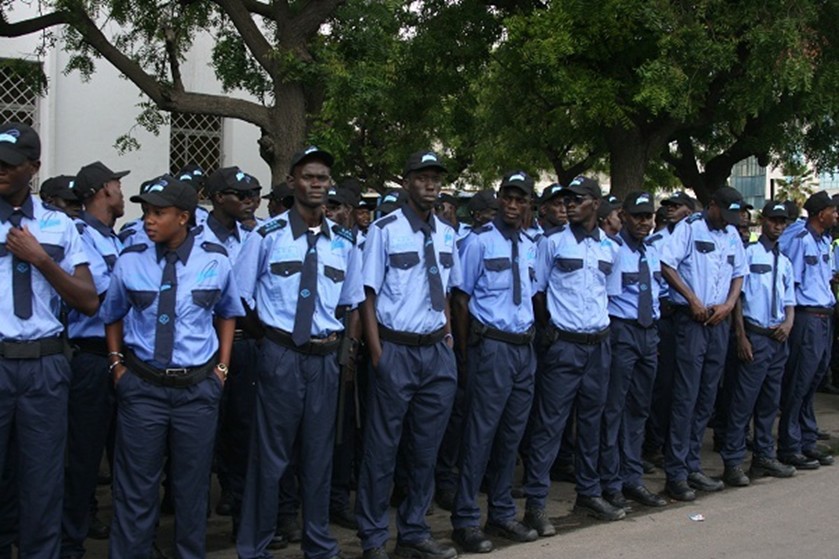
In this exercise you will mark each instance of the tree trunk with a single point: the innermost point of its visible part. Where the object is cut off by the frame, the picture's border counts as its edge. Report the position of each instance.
(287, 132)
(628, 156)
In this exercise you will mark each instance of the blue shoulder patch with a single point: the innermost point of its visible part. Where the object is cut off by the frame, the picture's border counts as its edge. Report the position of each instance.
(554, 230)
(385, 221)
(653, 239)
(213, 247)
(139, 247)
(482, 230)
(80, 227)
(693, 217)
(616, 239)
(271, 226)
(533, 238)
(344, 232)
(48, 206)
(801, 234)
(125, 234)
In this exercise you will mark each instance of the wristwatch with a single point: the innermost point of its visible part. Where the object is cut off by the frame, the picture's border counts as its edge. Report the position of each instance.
(224, 369)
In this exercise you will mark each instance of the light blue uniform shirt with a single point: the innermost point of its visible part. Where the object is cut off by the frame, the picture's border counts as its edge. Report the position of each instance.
(790, 232)
(657, 240)
(270, 265)
(394, 268)
(624, 283)
(809, 253)
(576, 265)
(232, 241)
(487, 266)
(58, 235)
(205, 289)
(757, 287)
(706, 259)
(102, 248)
(133, 232)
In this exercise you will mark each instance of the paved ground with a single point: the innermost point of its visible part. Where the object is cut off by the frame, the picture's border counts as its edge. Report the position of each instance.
(771, 519)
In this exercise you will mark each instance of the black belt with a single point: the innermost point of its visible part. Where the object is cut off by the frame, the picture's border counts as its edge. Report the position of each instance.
(96, 346)
(240, 335)
(632, 322)
(410, 338)
(665, 308)
(768, 332)
(595, 338)
(182, 377)
(32, 349)
(822, 311)
(315, 346)
(484, 331)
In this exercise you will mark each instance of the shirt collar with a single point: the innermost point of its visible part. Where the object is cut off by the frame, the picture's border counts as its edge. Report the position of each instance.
(506, 231)
(814, 233)
(631, 242)
(27, 209)
(710, 226)
(103, 229)
(299, 227)
(220, 231)
(767, 244)
(416, 221)
(182, 251)
(581, 234)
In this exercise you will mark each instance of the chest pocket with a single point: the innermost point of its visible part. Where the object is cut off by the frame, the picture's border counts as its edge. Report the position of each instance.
(54, 251)
(495, 272)
(206, 298)
(760, 268)
(604, 266)
(335, 274)
(569, 264)
(629, 278)
(110, 261)
(704, 246)
(811, 260)
(730, 260)
(287, 268)
(141, 300)
(404, 260)
(825, 258)
(446, 259)
(3, 250)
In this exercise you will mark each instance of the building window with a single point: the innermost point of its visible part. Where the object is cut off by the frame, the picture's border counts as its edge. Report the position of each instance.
(21, 84)
(195, 139)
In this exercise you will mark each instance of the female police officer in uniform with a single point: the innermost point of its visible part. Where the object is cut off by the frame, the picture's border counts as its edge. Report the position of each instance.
(163, 301)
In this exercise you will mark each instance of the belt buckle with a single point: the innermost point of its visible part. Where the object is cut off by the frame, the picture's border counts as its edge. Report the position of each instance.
(174, 373)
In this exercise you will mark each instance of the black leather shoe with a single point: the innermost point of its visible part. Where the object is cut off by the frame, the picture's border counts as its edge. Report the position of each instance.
(735, 477)
(762, 466)
(426, 549)
(512, 530)
(539, 521)
(517, 492)
(445, 499)
(640, 494)
(647, 466)
(701, 482)
(344, 518)
(680, 491)
(824, 458)
(823, 435)
(279, 541)
(224, 507)
(617, 500)
(289, 528)
(98, 530)
(799, 461)
(598, 507)
(375, 553)
(471, 539)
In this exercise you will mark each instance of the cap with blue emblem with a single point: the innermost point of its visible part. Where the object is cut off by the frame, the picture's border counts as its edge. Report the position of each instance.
(775, 209)
(165, 191)
(730, 203)
(18, 143)
(92, 177)
(311, 152)
(517, 179)
(819, 201)
(424, 160)
(60, 186)
(639, 203)
(231, 178)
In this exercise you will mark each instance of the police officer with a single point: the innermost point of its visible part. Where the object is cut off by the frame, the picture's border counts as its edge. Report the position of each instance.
(91, 403)
(280, 199)
(362, 216)
(304, 254)
(608, 217)
(169, 363)
(339, 204)
(494, 312)
(573, 308)
(552, 211)
(704, 263)
(58, 191)
(482, 207)
(446, 209)
(195, 176)
(41, 262)
(763, 319)
(231, 191)
(633, 289)
(133, 231)
(410, 263)
(810, 339)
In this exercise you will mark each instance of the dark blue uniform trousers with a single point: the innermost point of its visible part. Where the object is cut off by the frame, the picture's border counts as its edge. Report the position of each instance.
(658, 423)
(151, 419)
(699, 364)
(33, 402)
(719, 420)
(9, 499)
(296, 402)
(446, 471)
(499, 392)
(91, 406)
(755, 392)
(572, 374)
(632, 375)
(810, 343)
(411, 395)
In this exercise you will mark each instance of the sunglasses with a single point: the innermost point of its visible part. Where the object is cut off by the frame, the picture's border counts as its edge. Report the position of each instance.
(577, 200)
(242, 194)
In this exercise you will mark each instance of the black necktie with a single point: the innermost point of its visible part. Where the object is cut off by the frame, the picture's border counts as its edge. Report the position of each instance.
(645, 295)
(516, 271)
(435, 284)
(307, 295)
(164, 336)
(21, 278)
(774, 307)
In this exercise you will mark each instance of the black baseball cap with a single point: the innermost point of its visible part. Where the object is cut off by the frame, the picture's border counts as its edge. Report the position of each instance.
(639, 203)
(92, 177)
(775, 209)
(730, 203)
(819, 201)
(311, 152)
(366, 203)
(680, 198)
(59, 187)
(582, 186)
(482, 200)
(393, 200)
(279, 192)
(352, 190)
(165, 191)
(192, 174)
(517, 179)
(231, 178)
(551, 192)
(338, 195)
(19, 143)
(424, 160)
(446, 197)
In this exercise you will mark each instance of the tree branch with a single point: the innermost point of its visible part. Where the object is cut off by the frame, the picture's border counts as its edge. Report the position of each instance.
(259, 8)
(251, 35)
(33, 25)
(307, 22)
(174, 63)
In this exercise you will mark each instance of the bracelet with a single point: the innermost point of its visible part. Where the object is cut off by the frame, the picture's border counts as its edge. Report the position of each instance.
(113, 365)
(448, 336)
(118, 354)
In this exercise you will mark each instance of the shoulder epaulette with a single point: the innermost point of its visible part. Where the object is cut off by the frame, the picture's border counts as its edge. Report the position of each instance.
(125, 233)
(482, 229)
(693, 217)
(533, 238)
(385, 221)
(139, 247)
(48, 206)
(554, 230)
(213, 247)
(652, 239)
(615, 239)
(247, 228)
(801, 234)
(344, 232)
(271, 226)
(80, 227)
